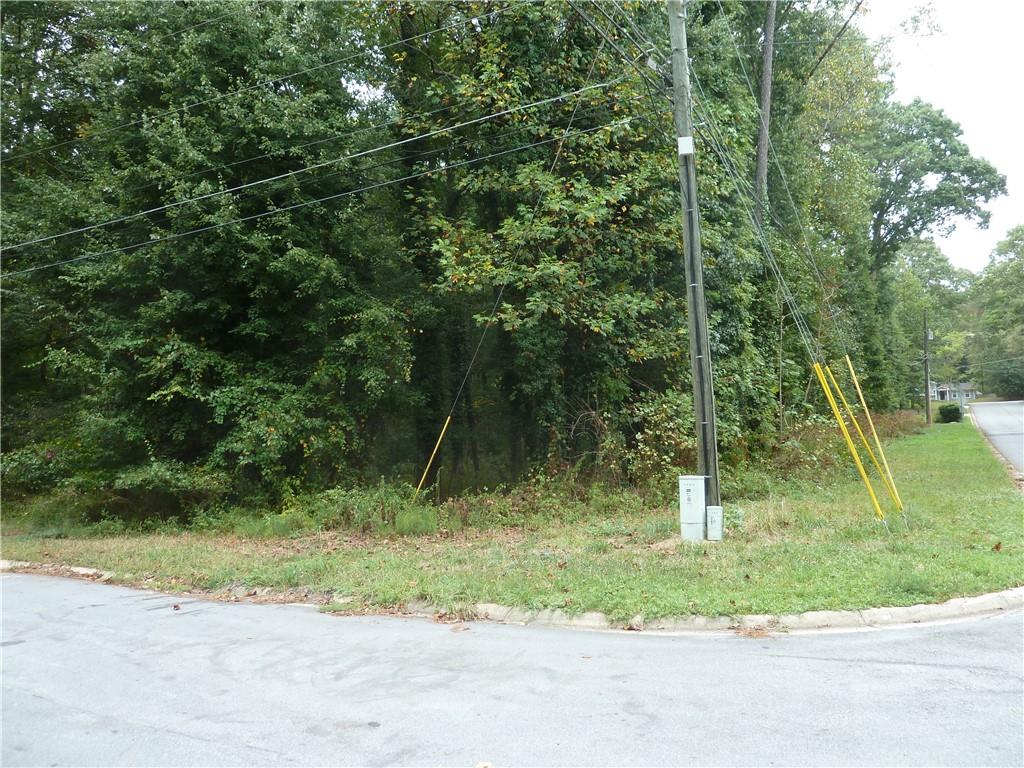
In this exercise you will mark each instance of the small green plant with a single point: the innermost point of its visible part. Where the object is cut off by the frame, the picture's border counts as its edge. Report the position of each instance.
(949, 413)
(416, 520)
(386, 506)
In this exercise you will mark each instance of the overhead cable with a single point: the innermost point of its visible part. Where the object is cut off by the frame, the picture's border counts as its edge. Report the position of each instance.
(307, 169)
(369, 187)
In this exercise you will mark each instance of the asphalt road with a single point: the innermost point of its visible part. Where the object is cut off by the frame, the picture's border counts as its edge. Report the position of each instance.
(101, 675)
(1004, 425)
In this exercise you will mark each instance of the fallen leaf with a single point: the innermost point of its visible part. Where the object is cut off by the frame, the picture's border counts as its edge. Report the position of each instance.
(176, 607)
(755, 632)
(998, 547)
(460, 628)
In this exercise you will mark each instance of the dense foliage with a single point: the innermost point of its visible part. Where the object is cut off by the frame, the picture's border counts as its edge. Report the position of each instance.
(314, 330)
(996, 354)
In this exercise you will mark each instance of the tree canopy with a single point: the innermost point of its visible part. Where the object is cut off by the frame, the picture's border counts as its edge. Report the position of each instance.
(288, 226)
(998, 352)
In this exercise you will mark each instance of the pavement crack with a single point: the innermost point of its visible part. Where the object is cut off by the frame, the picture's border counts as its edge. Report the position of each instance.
(893, 662)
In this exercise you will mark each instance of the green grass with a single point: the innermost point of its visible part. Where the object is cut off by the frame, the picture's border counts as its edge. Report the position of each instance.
(803, 546)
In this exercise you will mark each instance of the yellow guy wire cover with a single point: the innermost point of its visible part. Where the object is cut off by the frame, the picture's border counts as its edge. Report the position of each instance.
(849, 441)
(863, 438)
(430, 461)
(874, 434)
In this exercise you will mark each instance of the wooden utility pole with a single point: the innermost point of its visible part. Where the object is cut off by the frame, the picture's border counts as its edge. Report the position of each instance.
(927, 374)
(697, 316)
(767, 59)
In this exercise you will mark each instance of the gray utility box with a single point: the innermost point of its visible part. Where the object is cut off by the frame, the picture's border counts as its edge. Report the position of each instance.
(715, 523)
(691, 507)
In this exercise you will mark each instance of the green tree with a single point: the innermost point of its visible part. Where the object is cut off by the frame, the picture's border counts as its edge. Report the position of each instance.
(928, 178)
(251, 352)
(999, 341)
(253, 338)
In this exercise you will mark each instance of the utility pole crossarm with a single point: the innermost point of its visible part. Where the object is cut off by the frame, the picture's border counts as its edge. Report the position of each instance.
(697, 318)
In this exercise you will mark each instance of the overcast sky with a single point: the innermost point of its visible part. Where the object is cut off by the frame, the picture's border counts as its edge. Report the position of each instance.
(972, 69)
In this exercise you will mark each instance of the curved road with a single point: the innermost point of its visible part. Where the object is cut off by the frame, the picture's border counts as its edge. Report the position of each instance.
(94, 674)
(1004, 425)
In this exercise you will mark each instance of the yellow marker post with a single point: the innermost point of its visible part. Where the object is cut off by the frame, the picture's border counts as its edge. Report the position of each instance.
(849, 441)
(863, 439)
(874, 433)
(430, 461)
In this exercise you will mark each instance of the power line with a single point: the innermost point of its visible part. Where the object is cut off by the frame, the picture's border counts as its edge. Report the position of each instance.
(189, 28)
(315, 166)
(283, 150)
(652, 46)
(624, 33)
(458, 143)
(615, 46)
(835, 39)
(633, 26)
(717, 143)
(799, 322)
(420, 156)
(745, 192)
(644, 75)
(285, 209)
(273, 81)
(290, 149)
(785, 183)
(820, 40)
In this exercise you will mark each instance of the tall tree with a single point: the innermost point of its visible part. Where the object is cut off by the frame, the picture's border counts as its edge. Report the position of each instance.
(929, 178)
(763, 126)
(999, 337)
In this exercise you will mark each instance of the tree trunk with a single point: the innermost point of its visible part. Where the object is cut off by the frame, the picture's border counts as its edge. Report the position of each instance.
(761, 173)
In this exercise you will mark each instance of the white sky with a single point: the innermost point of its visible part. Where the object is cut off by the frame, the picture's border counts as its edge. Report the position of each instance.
(972, 69)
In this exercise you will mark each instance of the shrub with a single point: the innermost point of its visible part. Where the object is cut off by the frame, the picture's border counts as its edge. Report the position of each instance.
(950, 412)
(663, 434)
(32, 469)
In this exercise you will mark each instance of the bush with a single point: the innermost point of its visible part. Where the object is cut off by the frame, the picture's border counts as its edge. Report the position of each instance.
(950, 412)
(31, 469)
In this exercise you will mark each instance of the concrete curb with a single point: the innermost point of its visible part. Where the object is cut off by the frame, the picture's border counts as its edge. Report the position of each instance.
(869, 618)
(758, 624)
(57, 570)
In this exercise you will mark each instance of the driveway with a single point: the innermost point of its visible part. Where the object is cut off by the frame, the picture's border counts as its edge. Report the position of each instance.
(1004, 425)
(94, 674)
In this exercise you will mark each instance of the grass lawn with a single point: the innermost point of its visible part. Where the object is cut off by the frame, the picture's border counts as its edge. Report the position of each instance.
(805, 546)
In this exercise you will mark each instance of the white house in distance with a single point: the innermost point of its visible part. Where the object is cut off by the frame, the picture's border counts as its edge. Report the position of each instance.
(959, 391)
